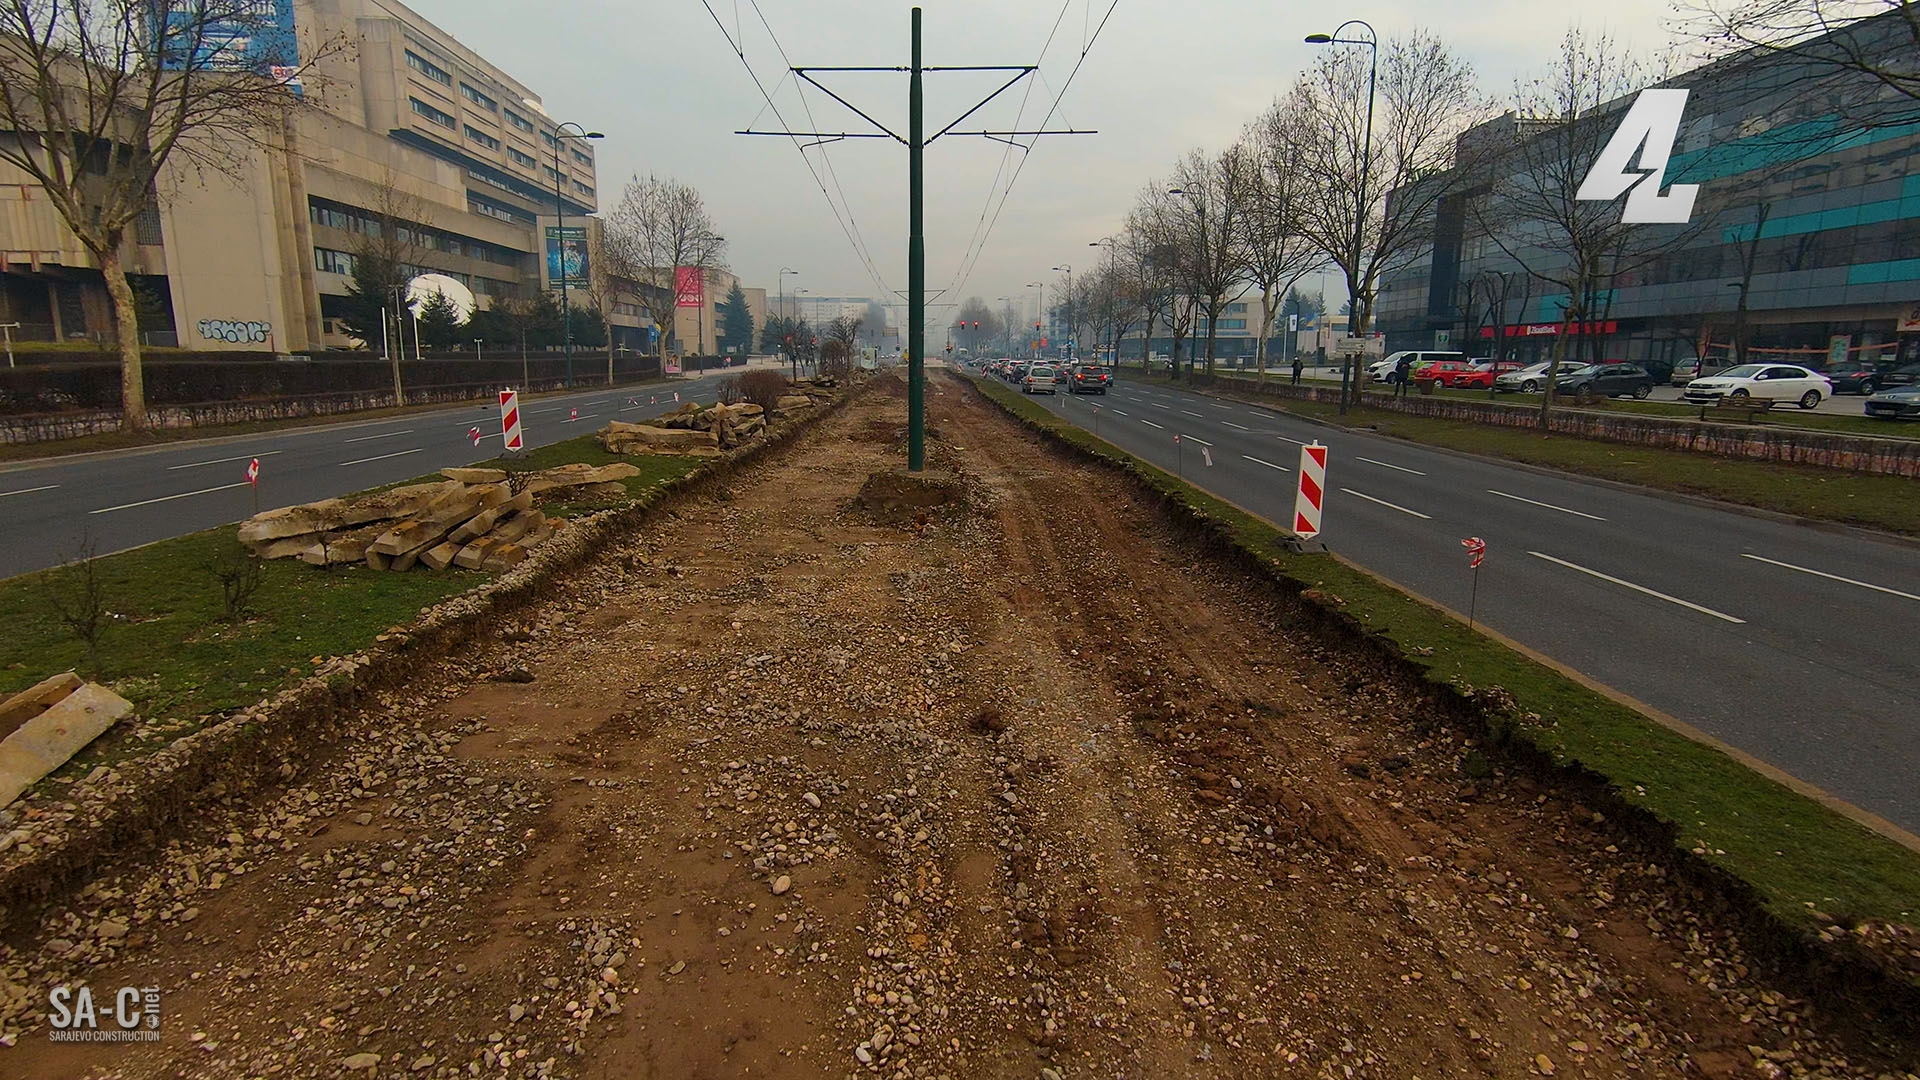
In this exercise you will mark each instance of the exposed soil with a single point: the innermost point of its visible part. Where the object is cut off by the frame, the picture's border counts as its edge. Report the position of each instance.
(1015, 790)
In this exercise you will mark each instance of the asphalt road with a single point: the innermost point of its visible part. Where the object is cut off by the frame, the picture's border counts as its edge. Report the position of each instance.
(121, 499)
(1794, 644)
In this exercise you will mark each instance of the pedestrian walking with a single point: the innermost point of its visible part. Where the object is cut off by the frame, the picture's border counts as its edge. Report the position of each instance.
(1401, 370)
(1298, 365)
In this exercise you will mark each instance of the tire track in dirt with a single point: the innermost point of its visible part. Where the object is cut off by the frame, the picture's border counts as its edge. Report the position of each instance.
(1024, 790)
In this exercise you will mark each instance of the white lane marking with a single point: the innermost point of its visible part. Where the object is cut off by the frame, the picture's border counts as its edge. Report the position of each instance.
(1151, 424)
(222, 461)
(1384, 465)
(1385, 503)
(382, 457)
(28, 491)
(1217, 405)
(1295, 442)
(1637, 588)
(1549, 506)
(1117, 412)
(1190, 438)
(1157, 405)
(1189, 412)
(1231, 424)
(1268, 464)
(168, 498)
(1831, 577)
(602, 401)
(388, 435)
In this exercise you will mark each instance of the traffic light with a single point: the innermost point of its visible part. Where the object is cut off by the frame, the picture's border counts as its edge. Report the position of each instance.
(949, 346)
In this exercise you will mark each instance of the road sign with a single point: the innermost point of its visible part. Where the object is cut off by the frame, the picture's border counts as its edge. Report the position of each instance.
(1476, 551)
(510, 421)
(1352, 346)
(1313, 491)
(572, 415)
(253, 471)
(474, 434)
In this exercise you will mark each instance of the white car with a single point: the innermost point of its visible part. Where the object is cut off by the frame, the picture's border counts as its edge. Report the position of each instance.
(1039, 377)
(1779, 382)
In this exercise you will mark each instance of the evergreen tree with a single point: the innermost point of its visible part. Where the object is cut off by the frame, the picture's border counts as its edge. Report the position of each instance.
(369, 292)
(543, 320)
(588, 331)
(439, 322)
(736, 322)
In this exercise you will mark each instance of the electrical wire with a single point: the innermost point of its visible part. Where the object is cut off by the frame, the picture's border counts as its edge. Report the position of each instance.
(1051, 110)
(740, 52)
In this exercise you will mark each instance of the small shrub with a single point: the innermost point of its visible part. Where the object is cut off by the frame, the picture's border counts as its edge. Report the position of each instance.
(730, 392)
(239, 576)
(763, 388)
(79, 599)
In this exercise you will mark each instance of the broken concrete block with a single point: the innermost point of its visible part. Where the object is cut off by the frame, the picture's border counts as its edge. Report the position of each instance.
(475, 476)
(503, 557)
(622, 438)
(292, 547)
(378, 560)
(35, 700)
(409, 535)
(440, 556)
(45, 742)
(474, 555)
(793, 403)
(517, 526)
(482, 523)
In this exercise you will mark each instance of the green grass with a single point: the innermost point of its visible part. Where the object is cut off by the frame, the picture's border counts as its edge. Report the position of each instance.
(169, 649)
(1798, 855)
(1887, 503)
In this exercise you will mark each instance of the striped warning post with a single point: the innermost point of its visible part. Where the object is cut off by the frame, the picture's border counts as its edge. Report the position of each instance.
(510, 420)
(1313, 491)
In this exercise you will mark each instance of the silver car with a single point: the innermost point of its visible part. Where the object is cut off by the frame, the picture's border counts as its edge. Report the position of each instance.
(1527, 380)
(1039, 377)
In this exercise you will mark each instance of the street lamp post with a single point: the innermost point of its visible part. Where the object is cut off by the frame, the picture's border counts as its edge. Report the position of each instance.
(1071, 329)
(560, 135)
(1113, 346)
(1039, 315)
(1372, 42)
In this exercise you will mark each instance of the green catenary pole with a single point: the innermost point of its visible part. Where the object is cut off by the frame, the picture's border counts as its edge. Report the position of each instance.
(916, 271)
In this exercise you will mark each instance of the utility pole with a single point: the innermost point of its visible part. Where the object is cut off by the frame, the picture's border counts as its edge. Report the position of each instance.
(916, 141)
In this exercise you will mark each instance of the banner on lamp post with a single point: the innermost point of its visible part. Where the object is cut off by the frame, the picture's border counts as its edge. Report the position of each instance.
(689, 287)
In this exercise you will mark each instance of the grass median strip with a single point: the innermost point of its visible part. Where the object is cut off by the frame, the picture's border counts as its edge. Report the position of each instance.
(1799, 856)
(166, 643)
(1888, 503)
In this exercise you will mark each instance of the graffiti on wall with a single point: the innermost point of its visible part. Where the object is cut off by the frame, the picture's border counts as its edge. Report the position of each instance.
(234, 333)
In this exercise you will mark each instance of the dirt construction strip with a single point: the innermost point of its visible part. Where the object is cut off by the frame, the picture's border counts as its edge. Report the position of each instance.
(793, 789)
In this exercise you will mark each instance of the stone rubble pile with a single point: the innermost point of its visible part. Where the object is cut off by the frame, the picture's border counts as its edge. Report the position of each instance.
(478, 519)
(711, 431)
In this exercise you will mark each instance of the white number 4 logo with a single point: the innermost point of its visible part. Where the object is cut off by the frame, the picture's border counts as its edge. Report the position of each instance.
(1649, 130)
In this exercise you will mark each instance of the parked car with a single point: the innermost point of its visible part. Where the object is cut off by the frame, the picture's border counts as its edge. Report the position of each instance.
(1527, 380)
(1780, 382)
(1496, 367)
(1684, 372)
(1606, 380)
(1900, 376)
(1387, 370)
(1039, 377)
(1902, 402)
(1090, 380)
(1458, 374)
(1854, 377)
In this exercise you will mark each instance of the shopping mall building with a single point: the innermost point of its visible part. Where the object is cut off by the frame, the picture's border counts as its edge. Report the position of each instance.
(1809, 206)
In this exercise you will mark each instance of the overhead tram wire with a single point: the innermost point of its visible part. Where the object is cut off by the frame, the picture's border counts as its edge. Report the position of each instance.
(1026, 95)
(739, 52)
(1055, 107)
(860, 242)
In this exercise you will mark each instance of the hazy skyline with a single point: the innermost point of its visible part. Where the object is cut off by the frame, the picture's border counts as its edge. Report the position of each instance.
(662, 81)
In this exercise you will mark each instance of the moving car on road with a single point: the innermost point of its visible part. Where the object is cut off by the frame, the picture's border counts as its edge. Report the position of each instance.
(1527, 380)
(1606, 380)
(1899, 403)
(1089, 380)
(1780, 382)
(1039, 377)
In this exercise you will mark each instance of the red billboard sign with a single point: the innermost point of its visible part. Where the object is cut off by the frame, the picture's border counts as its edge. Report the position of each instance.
(1551, 329)
(689, 287)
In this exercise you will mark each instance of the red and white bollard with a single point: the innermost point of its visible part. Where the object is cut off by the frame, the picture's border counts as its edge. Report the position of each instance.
(1313, 491)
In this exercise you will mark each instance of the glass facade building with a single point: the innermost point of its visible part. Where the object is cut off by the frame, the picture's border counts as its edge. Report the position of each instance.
(1809, 205)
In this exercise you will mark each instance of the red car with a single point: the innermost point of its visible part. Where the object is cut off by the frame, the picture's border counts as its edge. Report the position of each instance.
(1454, 373)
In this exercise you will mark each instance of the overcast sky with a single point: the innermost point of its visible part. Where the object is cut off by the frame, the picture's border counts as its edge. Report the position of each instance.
(660, 78)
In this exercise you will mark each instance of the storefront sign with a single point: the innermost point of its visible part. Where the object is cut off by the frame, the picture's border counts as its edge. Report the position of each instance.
(1552, 328)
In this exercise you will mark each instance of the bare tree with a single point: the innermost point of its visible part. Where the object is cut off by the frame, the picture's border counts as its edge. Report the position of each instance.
(98, 102)
(658, 227)
(1278, 250)
(1876, 42)
(1150, 264)
(1392, 184)
(845, 329)
(611, 276)
(1208, 217)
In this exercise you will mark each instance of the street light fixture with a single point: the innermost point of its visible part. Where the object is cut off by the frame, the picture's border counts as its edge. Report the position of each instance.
(1372, 42)
(1113, 346)
(560, 135)
(784, 271)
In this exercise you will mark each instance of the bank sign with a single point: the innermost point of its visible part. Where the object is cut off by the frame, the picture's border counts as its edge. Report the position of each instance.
(230, 35)
(1649, 130)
